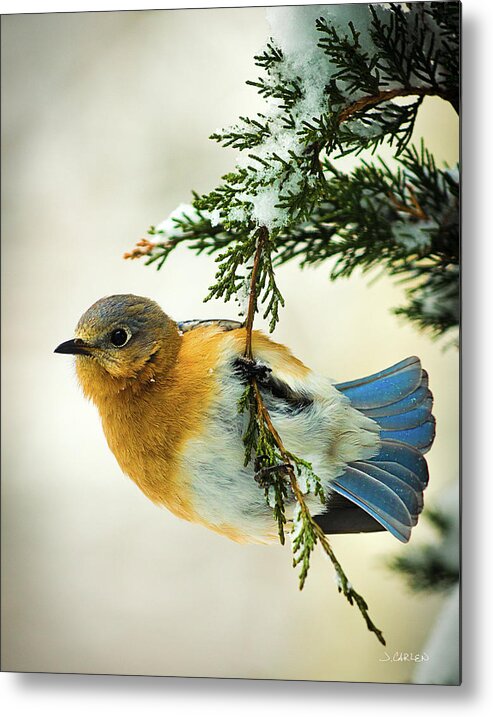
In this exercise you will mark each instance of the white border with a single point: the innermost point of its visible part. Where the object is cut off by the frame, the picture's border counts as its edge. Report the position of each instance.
(100, 695)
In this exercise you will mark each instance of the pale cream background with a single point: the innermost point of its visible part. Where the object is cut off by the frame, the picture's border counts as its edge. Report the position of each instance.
(105, 120)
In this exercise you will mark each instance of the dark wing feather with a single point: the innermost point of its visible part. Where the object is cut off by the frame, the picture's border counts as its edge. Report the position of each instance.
(277, 393)
(343, 516)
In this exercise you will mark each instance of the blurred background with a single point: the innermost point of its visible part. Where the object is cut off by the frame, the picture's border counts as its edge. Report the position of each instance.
(105, 120)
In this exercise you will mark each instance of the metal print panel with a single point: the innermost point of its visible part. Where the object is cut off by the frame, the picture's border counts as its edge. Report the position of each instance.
(263, 484)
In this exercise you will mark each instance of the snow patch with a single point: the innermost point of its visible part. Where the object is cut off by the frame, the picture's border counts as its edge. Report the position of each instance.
(414, 236)
(271, 497)
(168, 227)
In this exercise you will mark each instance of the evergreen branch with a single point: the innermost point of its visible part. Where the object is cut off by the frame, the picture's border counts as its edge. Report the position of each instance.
(395, 45)
(425, 569)
(435, 565)
(269, 56)
(415, 210)
(263, 437)
(368, 101)
(354, 66)
(310, 533)
(405, 219)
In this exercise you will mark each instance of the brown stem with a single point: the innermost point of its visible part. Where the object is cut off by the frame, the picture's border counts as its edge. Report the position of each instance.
(263, 235)
(416, 210)
(372, 100)
(261, 409)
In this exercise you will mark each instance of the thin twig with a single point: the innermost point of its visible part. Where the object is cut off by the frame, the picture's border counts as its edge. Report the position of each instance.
(416, 210)
(384, 96)
(252, 297)
(419, 211)
(263, 415)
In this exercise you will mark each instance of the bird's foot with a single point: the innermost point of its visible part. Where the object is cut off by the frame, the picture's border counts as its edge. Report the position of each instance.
(262, 474)
(249, 369)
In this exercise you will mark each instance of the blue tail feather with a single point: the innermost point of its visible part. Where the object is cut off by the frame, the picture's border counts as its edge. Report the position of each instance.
(380, 374)
(384, 388)
(390, 485)
(405, 475)
(420, 397)
(400, 487)
(404, 421)
(420, 437)
(377, 499)
(404, 455)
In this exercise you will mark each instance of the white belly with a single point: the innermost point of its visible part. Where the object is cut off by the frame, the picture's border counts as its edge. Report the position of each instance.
(328, 433)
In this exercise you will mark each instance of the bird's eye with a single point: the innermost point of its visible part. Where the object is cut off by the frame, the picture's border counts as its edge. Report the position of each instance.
(120, 337)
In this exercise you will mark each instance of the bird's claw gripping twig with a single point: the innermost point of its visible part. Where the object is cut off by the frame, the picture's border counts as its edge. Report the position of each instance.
(249, 369)
(262, 473)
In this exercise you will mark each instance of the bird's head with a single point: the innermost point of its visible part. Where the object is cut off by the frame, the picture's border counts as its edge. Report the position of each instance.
(124, 337)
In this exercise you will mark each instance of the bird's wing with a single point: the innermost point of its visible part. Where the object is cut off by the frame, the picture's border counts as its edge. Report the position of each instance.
(189, 325)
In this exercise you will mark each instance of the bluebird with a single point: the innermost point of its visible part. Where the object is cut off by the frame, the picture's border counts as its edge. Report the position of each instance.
(167, 393)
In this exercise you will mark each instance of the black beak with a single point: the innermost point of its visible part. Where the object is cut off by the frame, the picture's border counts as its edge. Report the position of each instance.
(74, 346)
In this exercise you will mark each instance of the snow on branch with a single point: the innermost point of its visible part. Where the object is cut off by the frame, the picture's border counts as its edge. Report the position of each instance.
(337, 80)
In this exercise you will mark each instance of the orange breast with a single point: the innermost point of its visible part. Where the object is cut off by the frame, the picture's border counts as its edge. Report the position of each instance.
(147, 425)
(147, 428)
